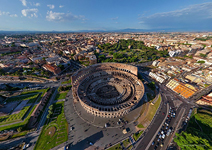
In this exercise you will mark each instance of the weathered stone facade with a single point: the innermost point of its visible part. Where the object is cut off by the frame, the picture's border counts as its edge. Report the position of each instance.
(108, 89)
(38, 109)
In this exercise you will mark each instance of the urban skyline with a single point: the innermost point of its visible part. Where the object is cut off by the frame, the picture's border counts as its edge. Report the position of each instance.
(105, 75)
(28, 15)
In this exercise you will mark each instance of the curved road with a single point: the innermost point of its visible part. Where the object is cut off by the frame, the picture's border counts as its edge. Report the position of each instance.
(152, 129)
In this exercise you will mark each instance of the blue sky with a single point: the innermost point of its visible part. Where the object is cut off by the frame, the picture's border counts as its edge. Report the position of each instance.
(64, 15)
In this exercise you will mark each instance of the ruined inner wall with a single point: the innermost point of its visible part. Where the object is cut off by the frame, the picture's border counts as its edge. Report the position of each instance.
(112, 79)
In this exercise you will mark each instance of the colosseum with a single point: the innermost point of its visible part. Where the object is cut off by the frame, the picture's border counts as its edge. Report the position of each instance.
(107, 90)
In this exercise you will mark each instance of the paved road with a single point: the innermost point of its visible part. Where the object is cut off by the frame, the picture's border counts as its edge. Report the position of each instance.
(153, 128)
(167, 96)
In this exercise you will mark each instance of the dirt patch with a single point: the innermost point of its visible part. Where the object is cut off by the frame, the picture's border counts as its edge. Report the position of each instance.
(50, 131)
(20, 107)
(7, 108)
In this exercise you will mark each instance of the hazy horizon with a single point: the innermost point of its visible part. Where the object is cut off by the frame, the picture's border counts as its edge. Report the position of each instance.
(75, 15)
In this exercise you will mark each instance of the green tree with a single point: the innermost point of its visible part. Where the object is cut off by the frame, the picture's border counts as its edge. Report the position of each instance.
(13, 44)
(61, 66)
(110, 53)
(102, 57)
(202, 55)
(19, 129)
(50, 112)
(187, 141)
(48, 116)
(51, 107)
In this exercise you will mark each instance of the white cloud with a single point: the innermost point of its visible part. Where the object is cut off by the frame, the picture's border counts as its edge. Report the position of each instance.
(50, 6)
(24, 2)
(14, 15)
(57, 16)
(8, 14)
(36, 4)
(30, 12)
(116, 18)
(194, 16)
(4, 13)
(61, 6)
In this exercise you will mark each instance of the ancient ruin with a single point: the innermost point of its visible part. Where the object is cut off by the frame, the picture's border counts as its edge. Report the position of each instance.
(108, 89)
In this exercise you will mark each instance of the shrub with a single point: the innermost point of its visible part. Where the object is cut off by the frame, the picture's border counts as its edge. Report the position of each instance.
(19, 129)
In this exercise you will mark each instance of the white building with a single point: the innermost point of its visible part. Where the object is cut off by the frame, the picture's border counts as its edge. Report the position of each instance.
(175, 53)
(155, 63)
(157, 77)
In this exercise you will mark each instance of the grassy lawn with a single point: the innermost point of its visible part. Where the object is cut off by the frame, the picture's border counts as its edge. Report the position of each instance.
(206, 85)
(140, 126)
(28, 95)
(14, 117)
(19, 134)
(54, 132)
(17, 125)
(116, 147)
(126, 143)
(137, 135)
(152, 109)
(31, 97)
(61, 95)
(66, 82)
(23, 114)
(35, 91)
(42, 91)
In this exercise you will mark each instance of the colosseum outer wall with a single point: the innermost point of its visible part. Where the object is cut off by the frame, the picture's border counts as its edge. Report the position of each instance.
(129, 68)
(107, 111)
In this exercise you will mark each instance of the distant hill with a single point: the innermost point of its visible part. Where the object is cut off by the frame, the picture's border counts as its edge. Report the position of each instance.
(2, 32)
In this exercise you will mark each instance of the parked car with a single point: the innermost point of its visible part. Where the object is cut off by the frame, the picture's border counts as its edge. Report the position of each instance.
(26, 146)
(163, 136)
(66, 147)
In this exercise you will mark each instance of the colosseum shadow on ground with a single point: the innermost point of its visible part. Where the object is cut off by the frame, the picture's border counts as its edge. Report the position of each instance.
(105, 92)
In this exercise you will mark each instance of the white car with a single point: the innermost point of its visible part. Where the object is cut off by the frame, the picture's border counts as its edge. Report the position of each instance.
(163, 136)
(26, 146)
